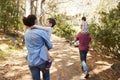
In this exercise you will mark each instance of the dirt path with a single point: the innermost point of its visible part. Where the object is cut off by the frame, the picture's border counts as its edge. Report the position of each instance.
(66, 65)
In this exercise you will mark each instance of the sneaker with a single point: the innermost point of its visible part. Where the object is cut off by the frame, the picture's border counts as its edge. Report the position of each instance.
(86, 75)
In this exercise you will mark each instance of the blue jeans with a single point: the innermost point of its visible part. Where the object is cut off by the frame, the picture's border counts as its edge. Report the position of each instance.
(83, 55)
(35, 71)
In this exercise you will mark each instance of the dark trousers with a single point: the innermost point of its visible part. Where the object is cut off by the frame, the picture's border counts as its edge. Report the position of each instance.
(35, 71)
(83, 55)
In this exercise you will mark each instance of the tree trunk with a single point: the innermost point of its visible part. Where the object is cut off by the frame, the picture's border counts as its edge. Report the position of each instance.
(28, 7)
(31, 9)
(38, 12)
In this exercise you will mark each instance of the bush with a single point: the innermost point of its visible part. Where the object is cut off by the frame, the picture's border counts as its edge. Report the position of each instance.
(63, 29)
(9, 15)
(106, 36)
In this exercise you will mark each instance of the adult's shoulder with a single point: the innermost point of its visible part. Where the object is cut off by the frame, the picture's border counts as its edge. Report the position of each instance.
(38, 31)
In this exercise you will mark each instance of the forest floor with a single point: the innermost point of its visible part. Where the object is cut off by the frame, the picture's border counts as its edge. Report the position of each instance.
(66, 64)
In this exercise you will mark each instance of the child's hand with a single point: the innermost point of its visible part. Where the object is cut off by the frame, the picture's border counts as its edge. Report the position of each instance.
(49, 57)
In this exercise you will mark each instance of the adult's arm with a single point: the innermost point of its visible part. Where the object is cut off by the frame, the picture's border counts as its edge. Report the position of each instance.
(77, 37)
(46, 38)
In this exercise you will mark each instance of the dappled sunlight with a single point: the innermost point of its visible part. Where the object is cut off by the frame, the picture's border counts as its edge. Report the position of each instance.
(89, 56)
(66, 64)
(103, 63)
(13, 62)
(10, 74)
(69, 63)
(101, 66)
(53, 70)
(63, 55)
(25, 77)
(3, 37)
(57, 60)
(17, 68)
(56, 52)
(4, 46)
(56, 38)
(78, 77)
(74, 57)
(14, 74)
(21, 68)
(74, 49)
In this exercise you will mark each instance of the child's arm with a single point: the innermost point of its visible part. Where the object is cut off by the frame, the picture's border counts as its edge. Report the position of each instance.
(47, 29)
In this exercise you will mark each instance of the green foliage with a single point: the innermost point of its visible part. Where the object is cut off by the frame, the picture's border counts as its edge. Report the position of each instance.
(106, 36)
(63, 29)
(9, 10)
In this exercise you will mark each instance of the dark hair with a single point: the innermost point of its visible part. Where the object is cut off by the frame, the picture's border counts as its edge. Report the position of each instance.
(52, 21)
(84, 18)
(30, 20)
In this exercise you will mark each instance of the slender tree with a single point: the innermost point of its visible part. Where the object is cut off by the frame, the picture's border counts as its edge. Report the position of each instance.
(28, 7)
